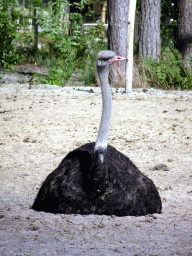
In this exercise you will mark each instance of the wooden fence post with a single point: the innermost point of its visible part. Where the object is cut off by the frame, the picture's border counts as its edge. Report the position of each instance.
(130, 35)
(103, 12)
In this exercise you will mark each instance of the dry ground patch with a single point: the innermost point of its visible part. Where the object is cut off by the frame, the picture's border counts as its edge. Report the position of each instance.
(39, 127)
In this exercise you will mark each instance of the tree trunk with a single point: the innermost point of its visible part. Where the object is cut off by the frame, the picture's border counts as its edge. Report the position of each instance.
(117, 36)
(149, 29)
(185, 29)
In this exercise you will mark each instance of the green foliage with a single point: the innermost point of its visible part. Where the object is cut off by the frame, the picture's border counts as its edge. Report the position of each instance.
(97, 41)
(8, 29)
(36, 3)
(68, 47)
(65, 48)
(80, 5)
(168, 23)
(26, 49)
(64, 45)
(167, 73)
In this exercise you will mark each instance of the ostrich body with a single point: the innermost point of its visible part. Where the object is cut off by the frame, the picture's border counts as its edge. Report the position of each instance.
(96, 178)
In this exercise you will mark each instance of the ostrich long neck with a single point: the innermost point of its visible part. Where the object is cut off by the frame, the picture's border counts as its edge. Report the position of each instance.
(102, 137)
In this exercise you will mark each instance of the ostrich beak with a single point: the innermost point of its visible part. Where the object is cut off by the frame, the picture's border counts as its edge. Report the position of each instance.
(116, 58)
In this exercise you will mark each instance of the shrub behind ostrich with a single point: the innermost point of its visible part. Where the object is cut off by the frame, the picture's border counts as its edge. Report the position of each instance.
(96, 178)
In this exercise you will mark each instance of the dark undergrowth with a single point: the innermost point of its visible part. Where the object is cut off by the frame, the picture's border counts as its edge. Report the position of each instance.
(69, 52)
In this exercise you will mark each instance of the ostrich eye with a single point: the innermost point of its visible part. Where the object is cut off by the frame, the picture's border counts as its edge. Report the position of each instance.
(104, 59)
(102, 62)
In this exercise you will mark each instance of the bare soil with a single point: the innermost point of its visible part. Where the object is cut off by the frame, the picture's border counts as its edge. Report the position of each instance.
(39, 126)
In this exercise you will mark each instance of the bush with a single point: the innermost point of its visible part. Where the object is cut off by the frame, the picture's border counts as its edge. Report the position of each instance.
(66, 46)
(62, 49)
(167, 73)
(8, 29)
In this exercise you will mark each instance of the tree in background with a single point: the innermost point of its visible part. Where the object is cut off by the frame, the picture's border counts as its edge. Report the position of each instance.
(184, 31)
(117, 34)
(149, 44)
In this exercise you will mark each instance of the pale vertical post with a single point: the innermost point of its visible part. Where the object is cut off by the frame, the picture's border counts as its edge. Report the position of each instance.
(103, 12)
(130, 37)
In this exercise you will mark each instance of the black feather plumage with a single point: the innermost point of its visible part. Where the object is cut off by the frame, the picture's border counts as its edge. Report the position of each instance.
(121, 190)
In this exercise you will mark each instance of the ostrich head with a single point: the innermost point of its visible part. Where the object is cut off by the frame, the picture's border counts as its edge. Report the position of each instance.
(105, 58)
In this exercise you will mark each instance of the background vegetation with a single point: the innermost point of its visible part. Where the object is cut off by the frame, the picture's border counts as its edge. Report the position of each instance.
(66, 47)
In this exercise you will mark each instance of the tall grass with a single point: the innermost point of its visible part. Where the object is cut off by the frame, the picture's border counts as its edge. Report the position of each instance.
(168, 72)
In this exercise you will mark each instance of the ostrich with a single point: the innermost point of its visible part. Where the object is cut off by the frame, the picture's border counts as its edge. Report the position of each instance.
(96, 178)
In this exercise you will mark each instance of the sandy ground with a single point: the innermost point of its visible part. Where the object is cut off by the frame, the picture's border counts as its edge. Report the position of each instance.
(38, 127)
